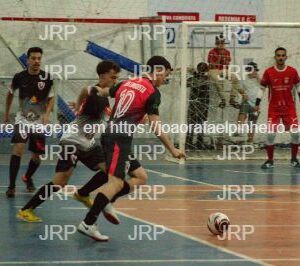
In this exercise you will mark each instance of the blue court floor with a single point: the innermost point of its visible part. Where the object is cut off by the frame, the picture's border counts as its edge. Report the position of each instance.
(20, 242)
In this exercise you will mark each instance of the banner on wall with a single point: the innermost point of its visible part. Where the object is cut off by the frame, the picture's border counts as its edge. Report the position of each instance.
(217, 10)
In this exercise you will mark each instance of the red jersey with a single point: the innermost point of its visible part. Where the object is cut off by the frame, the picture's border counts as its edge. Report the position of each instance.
(280, 84)
(218, 59)
(134, 98)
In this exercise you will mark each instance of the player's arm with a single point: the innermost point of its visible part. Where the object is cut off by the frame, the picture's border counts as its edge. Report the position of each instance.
(109, 91)
(264, 83)
(155, 125)
(152, 109)
(90, 104)
(213, 60)
(227, 57)
(10, 97)
(83, 94)
(8, 103)
(297, 83)
(50, 105)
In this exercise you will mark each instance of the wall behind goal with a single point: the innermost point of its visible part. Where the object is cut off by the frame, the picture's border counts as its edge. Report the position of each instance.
(21, 35)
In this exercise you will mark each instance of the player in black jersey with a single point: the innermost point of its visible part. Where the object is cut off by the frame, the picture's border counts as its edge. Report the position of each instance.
(36, 100)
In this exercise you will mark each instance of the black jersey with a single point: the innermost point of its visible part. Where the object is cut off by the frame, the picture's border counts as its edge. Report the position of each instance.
(92, 112)
(34, 91)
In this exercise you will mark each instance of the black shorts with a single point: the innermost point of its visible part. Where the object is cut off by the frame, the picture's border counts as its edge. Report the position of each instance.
(37, 141)
(133, 165)
(117, 149)
(70, 155)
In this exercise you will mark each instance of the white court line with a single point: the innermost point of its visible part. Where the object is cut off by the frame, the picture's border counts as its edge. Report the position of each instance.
(138, 261)
(162, 174)
(219, 209)
(225, 250)
(119, 261)
(270, 210)
(255, 225)
(258, 173)
(84, 208)
(169, 209)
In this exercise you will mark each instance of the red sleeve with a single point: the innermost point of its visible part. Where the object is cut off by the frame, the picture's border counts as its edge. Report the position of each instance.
(265, 81)
(228, 57)
(212, 57)
(297, 79)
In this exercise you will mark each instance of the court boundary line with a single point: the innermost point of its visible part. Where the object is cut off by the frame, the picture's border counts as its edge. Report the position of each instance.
(224, 250)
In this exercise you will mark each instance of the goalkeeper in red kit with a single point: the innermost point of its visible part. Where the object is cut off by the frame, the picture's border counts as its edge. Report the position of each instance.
(281, 80)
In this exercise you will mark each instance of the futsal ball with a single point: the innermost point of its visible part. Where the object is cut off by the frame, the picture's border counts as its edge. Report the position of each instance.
(218, 223)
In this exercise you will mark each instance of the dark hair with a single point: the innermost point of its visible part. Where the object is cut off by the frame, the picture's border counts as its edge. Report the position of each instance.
(202, 67)
(34, 50)
(158, 60)
(107, 65)
(220, 38)
(280, 49)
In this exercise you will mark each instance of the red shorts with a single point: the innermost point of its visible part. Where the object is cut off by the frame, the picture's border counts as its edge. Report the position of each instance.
(289, 120)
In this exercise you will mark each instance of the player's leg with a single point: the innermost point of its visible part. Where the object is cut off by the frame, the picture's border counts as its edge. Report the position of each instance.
(252, 120)
(291, 123)
(138, 177)
(37, 143)
(117, 150)
(18, 140)
(32, 167)
(64, 170)
(95, 160)
(215, 79)
(235, 87)
(273, 123)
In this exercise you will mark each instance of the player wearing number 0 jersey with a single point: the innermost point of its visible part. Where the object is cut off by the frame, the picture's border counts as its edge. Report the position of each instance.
(281, 80)
(133, 99)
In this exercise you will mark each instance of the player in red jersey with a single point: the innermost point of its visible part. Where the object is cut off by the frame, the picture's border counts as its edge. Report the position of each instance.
(281, 80)
(133, 99)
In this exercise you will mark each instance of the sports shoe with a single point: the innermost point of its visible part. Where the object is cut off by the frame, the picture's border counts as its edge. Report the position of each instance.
(11, 192)
(29, 184)
(91, 231)
(85, 200)
(28, 216)
(110, 214)
(295, 163)
(268, 164)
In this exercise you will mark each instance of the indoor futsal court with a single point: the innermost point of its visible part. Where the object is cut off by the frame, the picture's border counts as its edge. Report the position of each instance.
(149, 132)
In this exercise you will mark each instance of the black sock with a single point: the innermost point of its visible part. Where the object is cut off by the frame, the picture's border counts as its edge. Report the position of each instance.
(124, 191)
(95, 182)
(33, 165)
(14, 167)
(99, 204)
(39, 197)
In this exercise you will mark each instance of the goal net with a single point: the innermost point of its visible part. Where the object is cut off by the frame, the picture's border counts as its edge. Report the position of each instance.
(199, 96)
